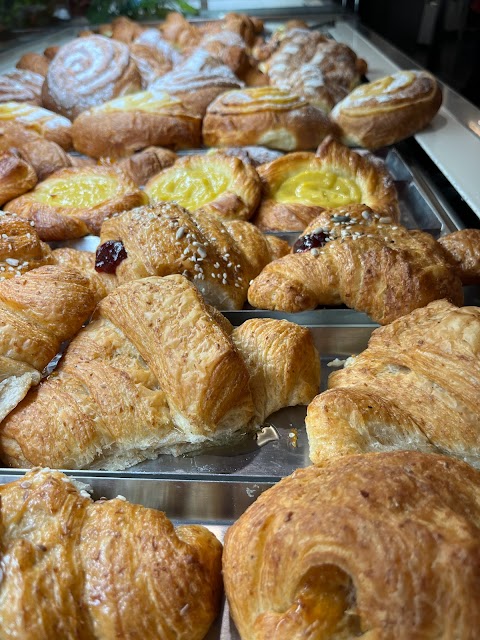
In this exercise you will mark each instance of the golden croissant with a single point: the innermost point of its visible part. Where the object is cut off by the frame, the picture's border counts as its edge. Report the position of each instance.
(159, 371)
(357, 257)
(219, 257)
(416, 386)
(383, 546)
(110, 570)
(38, 311)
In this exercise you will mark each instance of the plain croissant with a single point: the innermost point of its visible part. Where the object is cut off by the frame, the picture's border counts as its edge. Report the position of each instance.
(38, 311)
(108, 570)
(159, 371)
(380, 546)
(416, 386)
(359, 258)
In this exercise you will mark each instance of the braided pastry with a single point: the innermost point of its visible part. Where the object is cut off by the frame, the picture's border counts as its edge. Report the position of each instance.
(106, 570)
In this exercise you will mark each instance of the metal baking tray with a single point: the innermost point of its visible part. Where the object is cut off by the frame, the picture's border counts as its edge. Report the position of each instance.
(216, 505)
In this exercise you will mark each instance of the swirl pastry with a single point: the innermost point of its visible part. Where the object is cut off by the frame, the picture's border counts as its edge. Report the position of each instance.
(150, 63)
(216, 183)
(388, 110)
(220, 258)
(299, 186)
(463, 250)
(264, 116)
(124, 125)
(156, 371)
(87, 72)
(21, 86)
(44, 156)
(38, 311)
(21, 249)
(319, 69)
(354, 256)
(142, 166)
(49, 125)
(74, 202)
(198, 81)
(16, 177)
(416, 386)
(35, 62)
(376, 546)
(74, 568)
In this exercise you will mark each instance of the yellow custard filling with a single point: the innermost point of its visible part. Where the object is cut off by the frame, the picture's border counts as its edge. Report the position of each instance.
(259, 98)
(190, 189)
(318, 188)
(87, 192)
(150, 101)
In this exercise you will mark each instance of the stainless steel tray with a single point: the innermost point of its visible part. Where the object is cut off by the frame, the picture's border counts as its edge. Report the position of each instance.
(216, 505)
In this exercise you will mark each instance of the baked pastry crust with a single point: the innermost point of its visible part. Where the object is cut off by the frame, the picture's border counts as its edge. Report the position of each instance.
(125, 125)
(219, 257)
(463, 250)
(21, 86)
(51, 52)
(21, 249)
(125, 30)
(354, 256)
(299, 186)
(74, 202)
(87, 72)
(49, 125)
(16, 177)
(389, 109)
(38, 311)
(150, 63)
(198, 81)
(216, 183)
(35, 62)
(315, 552)
(84, 262)
(142, 166)
(157, 370)
(264, 116)
(378, 402)
(44, 156)
(111, 564)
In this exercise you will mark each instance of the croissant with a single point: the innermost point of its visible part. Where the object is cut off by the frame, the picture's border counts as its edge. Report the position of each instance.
(16, 177)
(84, 261)
(463, 250)
(21, 249)
(382, 546)
(109, 570)
(354, 256)
(416, 386)
(38, 311)
(158, 371)
(142, 166)
(220, 258)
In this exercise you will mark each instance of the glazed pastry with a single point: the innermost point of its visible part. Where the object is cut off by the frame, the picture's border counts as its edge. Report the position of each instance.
(44, 156)
(356, 257)
(21, 249)
(319, 69)
(264, 116)
(48, 124)
(216, 183)
(198, 81)
(87, 72)
(74, 202)
(416, 386)
(463, 250)
(142, 166)
(388, 110)
(124, 125)
(150, 62)
(35, 62)
(158, 371)
(381, 546)
(16, 177)
(219, 257)
(84, 261)
(38, 311)
(299, 186)
(96, 556)
(21, 86)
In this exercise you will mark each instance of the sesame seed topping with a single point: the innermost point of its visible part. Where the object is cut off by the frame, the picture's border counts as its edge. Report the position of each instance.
(13, 261)
(180, 233)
